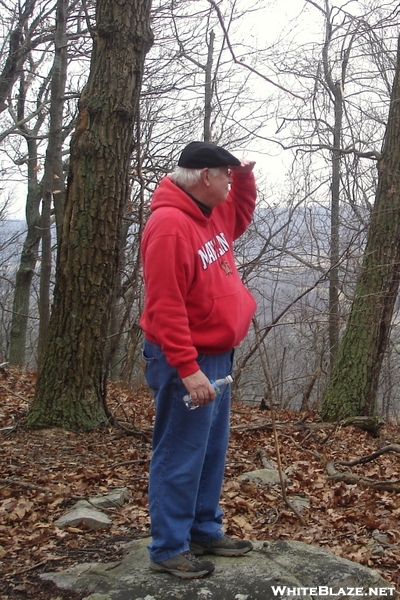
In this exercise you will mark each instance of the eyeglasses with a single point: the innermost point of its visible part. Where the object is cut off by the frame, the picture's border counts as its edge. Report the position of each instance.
(216, 171)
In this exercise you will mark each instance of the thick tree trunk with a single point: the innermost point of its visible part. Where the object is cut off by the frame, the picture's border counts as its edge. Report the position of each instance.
(70, 390)
(353, 387)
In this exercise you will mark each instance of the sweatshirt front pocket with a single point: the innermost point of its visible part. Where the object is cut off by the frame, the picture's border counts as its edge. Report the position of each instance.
(226, 324)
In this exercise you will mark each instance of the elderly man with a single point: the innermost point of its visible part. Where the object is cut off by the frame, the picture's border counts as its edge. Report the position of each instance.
(196, 311)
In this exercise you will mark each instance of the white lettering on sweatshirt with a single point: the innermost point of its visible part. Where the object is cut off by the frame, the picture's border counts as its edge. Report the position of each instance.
(213, 249)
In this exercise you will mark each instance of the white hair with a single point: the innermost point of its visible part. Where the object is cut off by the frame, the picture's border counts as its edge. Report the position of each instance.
(188, 178)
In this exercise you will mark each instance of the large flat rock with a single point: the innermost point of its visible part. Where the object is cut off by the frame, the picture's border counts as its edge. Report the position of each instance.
(281, 569)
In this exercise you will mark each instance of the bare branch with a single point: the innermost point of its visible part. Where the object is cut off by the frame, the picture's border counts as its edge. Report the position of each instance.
(241, 62)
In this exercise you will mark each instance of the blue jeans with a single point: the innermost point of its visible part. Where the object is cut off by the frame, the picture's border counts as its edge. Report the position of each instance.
(188, 459)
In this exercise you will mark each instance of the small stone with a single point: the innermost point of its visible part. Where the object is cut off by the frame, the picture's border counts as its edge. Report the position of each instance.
(264, 476)
(111, 500)
(87, 517)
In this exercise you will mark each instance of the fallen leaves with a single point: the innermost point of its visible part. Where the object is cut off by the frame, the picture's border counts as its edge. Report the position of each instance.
(44, 472)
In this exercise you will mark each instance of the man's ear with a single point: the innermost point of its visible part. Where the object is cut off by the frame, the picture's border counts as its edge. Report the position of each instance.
(205, 176)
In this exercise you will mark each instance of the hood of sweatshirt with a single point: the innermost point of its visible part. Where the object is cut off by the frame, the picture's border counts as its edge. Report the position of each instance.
(168, 194)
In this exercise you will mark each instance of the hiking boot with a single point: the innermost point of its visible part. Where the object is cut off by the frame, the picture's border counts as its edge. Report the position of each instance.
(184, 565)
(225, 546)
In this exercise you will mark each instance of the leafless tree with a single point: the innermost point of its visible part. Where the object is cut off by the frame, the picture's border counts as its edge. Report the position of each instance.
(70, 391)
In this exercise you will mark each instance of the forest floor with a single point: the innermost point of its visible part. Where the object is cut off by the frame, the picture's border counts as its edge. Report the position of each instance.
(356, 514)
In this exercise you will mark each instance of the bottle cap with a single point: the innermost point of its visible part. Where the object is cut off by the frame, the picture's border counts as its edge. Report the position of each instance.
(229, 379)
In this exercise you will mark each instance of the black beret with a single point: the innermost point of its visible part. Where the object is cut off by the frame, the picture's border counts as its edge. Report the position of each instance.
(199, 155)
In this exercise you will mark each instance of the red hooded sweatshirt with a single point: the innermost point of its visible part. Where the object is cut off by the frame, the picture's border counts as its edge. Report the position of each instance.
(195, 301)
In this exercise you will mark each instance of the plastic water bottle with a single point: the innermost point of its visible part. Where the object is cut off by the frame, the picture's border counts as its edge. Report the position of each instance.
(219, 386)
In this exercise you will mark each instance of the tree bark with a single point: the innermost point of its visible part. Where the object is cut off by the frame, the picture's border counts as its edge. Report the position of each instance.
(70, 391)
(354, 382)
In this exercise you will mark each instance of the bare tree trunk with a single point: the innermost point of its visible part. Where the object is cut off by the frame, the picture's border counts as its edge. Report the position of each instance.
(208, 89)
(29, 256)
(126, 292)
(53, 167)
(334, 314)
(70, 391)
(17, 51)
(336, 89)
(119, 312)
(354, 383)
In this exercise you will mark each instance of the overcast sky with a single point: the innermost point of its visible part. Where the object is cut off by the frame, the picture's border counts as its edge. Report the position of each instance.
(292, 19)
